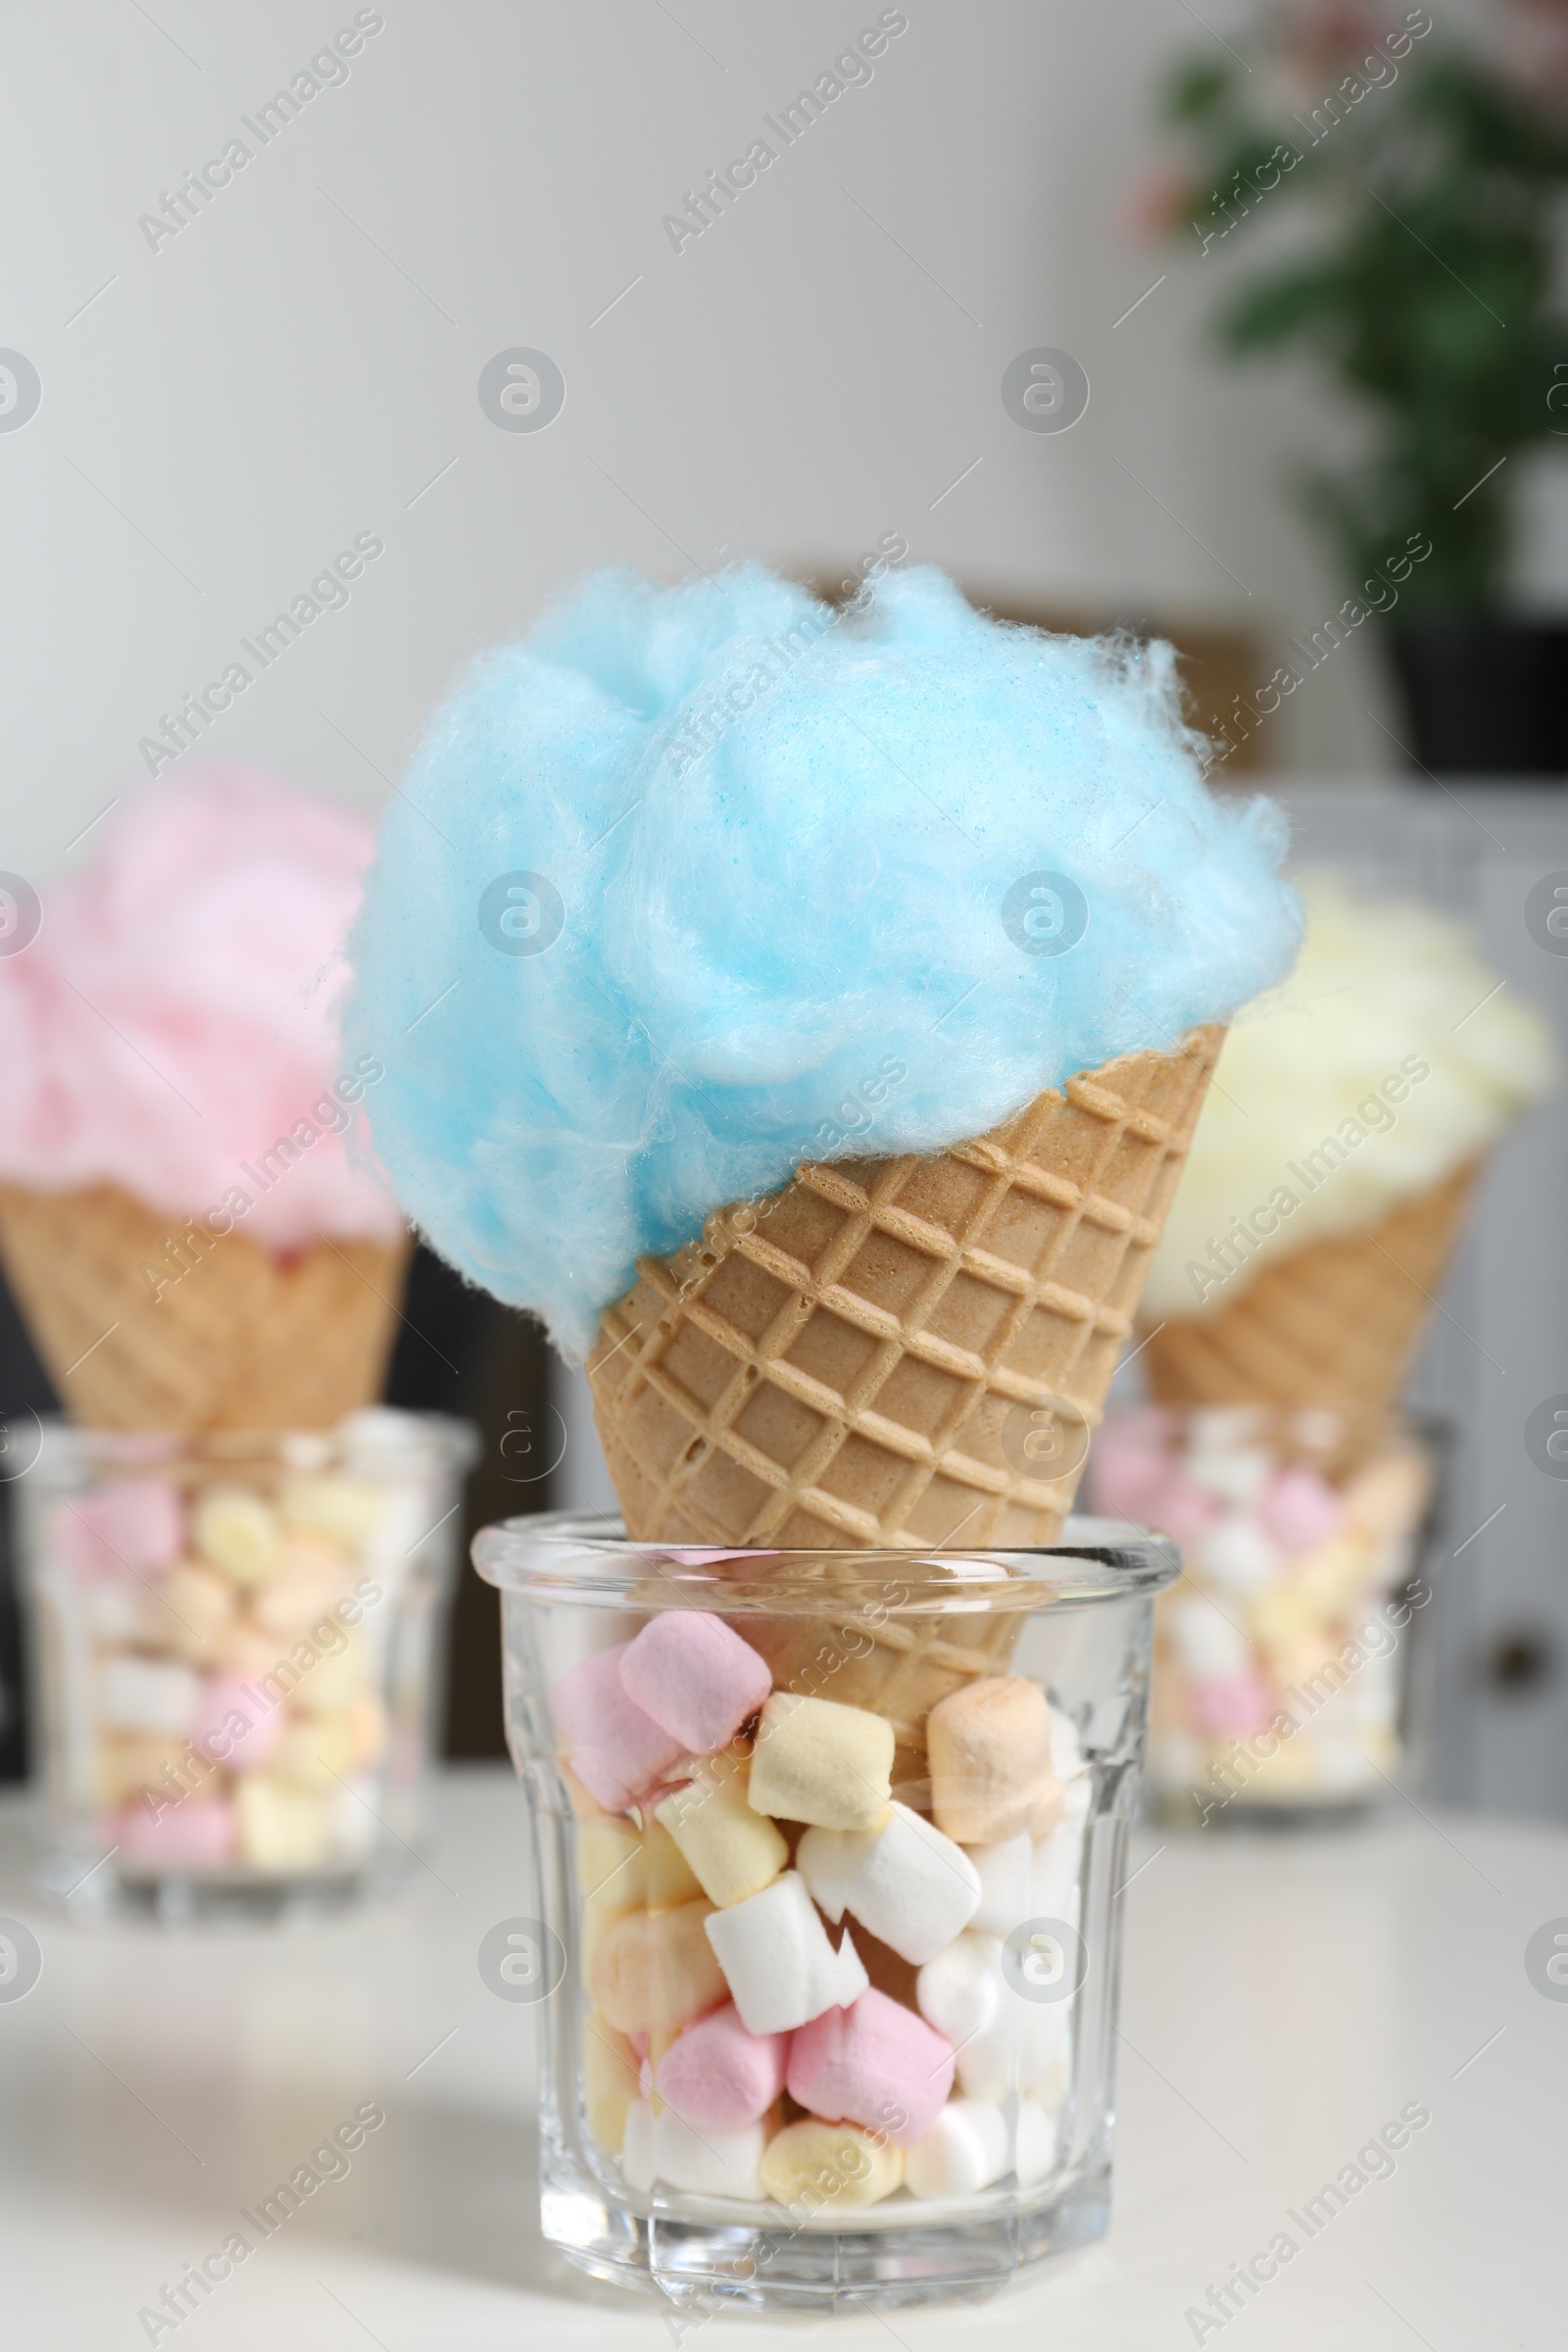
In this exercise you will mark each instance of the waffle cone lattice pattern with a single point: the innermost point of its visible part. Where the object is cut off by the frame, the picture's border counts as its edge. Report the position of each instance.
(853, 1361)
(243, 1340)
(1337, 1322)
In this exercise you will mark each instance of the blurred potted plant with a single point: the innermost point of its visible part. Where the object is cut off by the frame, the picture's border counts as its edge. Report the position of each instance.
(1418, 187)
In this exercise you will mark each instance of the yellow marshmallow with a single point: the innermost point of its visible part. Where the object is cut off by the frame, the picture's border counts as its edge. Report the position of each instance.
(345, 1509)
(667, 1879)
(653, 1973)
(238, 1532)
(318, 1752)
(734, 1851)
(610, 2079)
(818, 1762)
(821, 2171)
(282, 1826)
(200, 1612)
(609, 1864)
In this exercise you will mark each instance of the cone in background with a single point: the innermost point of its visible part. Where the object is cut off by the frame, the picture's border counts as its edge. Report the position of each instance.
(1337, 1322)
(243, 1340)
(856, 1362)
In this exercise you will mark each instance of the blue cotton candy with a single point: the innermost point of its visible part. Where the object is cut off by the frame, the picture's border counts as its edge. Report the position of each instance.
(782, 842)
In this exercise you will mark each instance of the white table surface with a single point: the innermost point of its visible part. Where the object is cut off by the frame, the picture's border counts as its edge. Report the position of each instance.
(1285, 1996)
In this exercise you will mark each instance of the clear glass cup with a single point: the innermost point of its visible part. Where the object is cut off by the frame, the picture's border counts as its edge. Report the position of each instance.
(236, 1641)
(999, 1700)
(1293, 1661)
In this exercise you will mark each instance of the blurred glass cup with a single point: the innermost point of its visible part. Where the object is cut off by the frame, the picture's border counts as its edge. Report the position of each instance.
(236, 1639)
(1292, 1660)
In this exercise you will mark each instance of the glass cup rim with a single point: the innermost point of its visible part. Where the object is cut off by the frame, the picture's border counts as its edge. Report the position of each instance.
(379, 1440)
(585, 1556)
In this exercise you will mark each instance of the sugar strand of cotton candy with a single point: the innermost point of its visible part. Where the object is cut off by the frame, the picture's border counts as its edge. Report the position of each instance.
(760, 860)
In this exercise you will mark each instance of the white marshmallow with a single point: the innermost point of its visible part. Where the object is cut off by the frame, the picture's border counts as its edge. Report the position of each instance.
(147, 1694)
(1235, 1555)
(1236, 1474)
(1036, 2142)
(661, 2150)
(906, 1884)
(637, 2160)
(1066, 1748)
(965, 2150)
(780, 1968)
(1054, 1867)
(1006, 1885)
(1211, 1645)
(1003, 2040)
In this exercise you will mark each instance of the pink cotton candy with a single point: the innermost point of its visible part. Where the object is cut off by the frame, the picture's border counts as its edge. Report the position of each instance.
(1300, 1509)
(695, 1676)
(134, 1523)
(718, 2077)
(174, 1018)
(875, 2063)
(619, 1754)
(1239, 1704)
(235, 1727)
(190, 1832)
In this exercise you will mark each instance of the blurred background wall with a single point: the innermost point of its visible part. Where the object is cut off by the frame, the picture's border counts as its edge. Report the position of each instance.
(296, 369)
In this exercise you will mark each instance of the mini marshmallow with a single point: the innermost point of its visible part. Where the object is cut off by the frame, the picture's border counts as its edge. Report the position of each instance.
(1300, 1509)
(316, 1751)
(347, 1510)
(147, 1694)
(966, 2148)
(910, 1887)
(334, 1681)
(197, 1608)
(874, 2064)
(1066, 1748)
(1209, 1644)
(820, 1762)
(780, 1968)
(659, 2149)
(653, 1974)
(668, 1880)
(609, 1864)
(1232, 1473)
(821, 2171)
(1056, 1867)
(1007, 1894)
(617, 1752)
(1236, 1556)
(717, 2075)
(609, 2080)
(695, 1676)
(637, 2160)
(282, 1827)
(1036, 2143)
(734, 1851)
(1389, 1497)
(308, 1580)
(234, 1727)
(191, 1833)
(128, 1523)
(238, 1532)
(1002, 2040)
(989, 1744)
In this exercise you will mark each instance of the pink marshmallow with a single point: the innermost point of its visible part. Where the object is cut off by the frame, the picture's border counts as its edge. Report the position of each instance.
(1300, 1510)
(134, 1523)
(1240, 1703)
(619, 1754)
(1180, 1509)
(718, 2077)
(190, 1832)
(1124, 1479)
(695, 1678)
(873, 2064)
(235, 1727)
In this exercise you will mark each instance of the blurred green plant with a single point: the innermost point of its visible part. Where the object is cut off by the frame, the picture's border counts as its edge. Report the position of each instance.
(1428, 179)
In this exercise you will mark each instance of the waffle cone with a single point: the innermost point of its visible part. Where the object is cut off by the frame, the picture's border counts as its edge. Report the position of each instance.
(243, 1340)
(857, 1363)
(1337, 1322)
